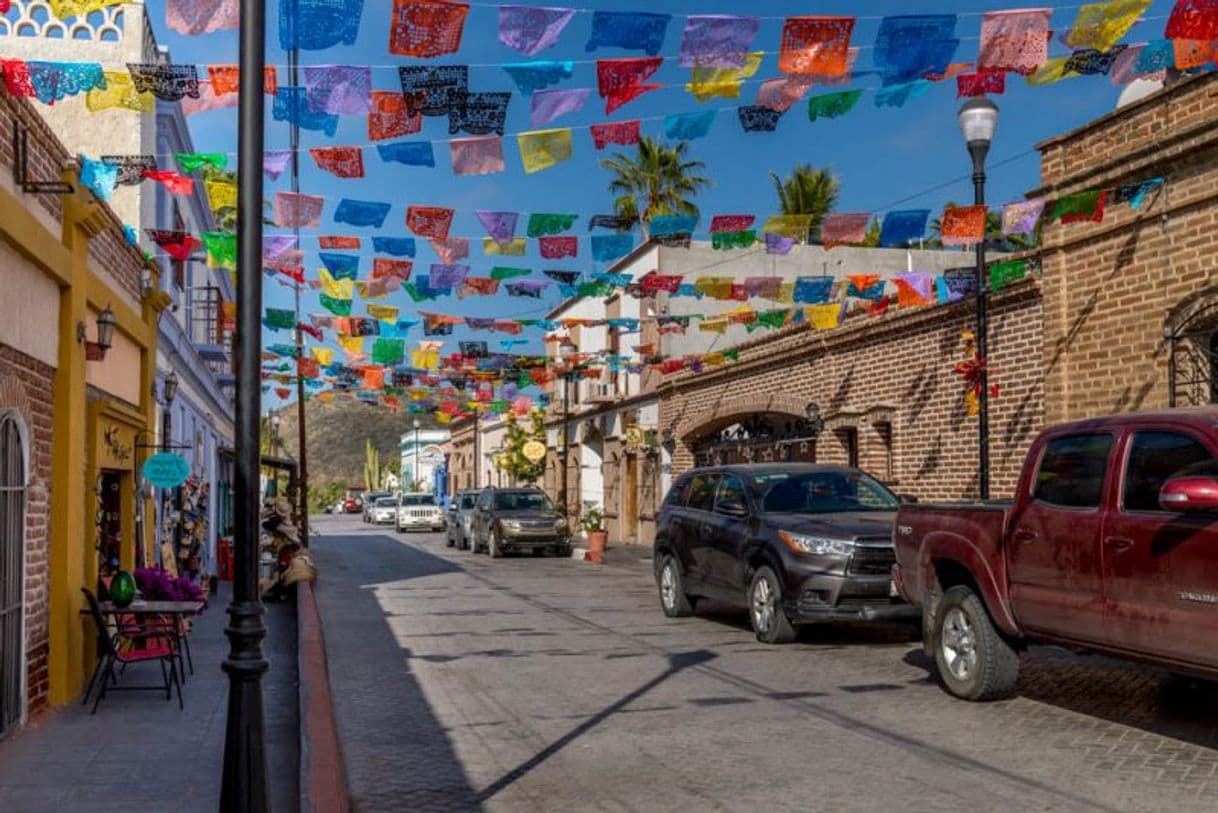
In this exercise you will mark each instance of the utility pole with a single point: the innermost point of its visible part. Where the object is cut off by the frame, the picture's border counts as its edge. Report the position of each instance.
(302, 454)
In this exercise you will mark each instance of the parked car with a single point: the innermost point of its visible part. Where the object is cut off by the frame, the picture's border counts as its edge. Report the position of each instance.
(353, 505)
(1110, 545)
(460, 519)
(370, 500)
(795, 543)
(518, 519)
(383, 512)
(419, 511)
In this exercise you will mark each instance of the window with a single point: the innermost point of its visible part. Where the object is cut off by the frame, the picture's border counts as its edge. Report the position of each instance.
(822, 492)
(522, 501)
(731, 492)
(1155, 458)
(484, 500)
(1071, 473)
(883, 430)
(677, 494)
(702, 491)
(468, 501)
(418, 499)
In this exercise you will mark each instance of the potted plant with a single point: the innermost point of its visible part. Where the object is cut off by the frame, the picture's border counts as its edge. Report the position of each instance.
(593, 524)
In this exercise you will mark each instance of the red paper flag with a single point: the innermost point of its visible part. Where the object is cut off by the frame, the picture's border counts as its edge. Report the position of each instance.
(339, 242)
(962, 225)
(653, 282)
(384, 267)
(731, 223)
(555, 248)
(175, 183)
(176, 244)
(394, 115)
(225, 79)
(980, 83)
(815, 45)
(844, 229)
(620, 80)
(625, 133)
(426, 28)
(344, 162)
(1193, 20)
(17, 78)
(283, 392)
(315, 332)
(308, 368)
(429, 221)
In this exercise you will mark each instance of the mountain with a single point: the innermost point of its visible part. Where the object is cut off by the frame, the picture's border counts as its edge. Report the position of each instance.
(336, 434)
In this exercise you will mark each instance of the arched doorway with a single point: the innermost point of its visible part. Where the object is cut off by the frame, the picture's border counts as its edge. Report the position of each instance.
(760, 438)
(1191, 333)
(12, 572)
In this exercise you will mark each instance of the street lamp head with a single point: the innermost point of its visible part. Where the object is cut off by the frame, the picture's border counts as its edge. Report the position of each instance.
(105, 329)
(415, 422)
(978, 121)
(170, 387)
(275, 420)
(567, 349)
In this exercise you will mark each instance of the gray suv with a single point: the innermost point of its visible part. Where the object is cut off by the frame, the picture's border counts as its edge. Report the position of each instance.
(461, 519)
(518, 519)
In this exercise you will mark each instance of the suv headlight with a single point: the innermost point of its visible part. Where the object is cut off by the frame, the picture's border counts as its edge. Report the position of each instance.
(816, 545)
(510, 524)
(560, 524)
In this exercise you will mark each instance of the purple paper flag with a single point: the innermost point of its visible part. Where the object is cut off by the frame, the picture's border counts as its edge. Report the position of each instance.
(275, 162)
(717, 40)
(501, 226)
(550, 104)
(777, 244)
(344, 90)
(274, 246)
(531, 30)
(448, 276)
(477, 155)
(1022, 217)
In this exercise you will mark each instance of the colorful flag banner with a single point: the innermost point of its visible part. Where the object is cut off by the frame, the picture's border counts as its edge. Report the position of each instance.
(901, 228)
(391, 117)
(1015, 41)
(812, 290)
(542, 149)
(815, 45)
(716, 40)
(176, 184)
(962, 225)
(169, 83)
(982, 83)
(478, 113)
(342, 162)
(619, 81)
(449, 249)
(275, 162)
(221, 249)
(338, 242)
(295, 209)
(177, 244)
(397, 246)
(340, 266)
(1089, 62)
(1022, 216)
(900, 95)
(118, 92)
(426, 28)
(782, 94)
(438, 86)
(1193, 20)
(411, 153)
(629, 30)
(839, 229)
(913, 46)
(429, 221)
(532, 30)
(191, 162)
(510, 248)
(543, 223)
(383, 268)
(1082, 207)
(279, 319)
(313, 25)
(710, 83)
(793, 226)
(550, 104)
(98, 177)
(757, 119)
(533, 76)
(291, 105)
(626, 133)
(914, 289)
(131, 168)
(1004, 273)
(1102, 25)
(363, 213)
(338, 89)
(832, 105)
(607, 247)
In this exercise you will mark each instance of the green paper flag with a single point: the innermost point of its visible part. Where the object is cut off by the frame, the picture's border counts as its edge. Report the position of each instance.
(221, 249)
(280, 318)
(338, 307)
(541, 223)
(189, 162)
(502, 272)
(733, 239)
(1004, 273)
(1080, 206)
(389, 351)
(732, 355)
(832, 105)
(774, 318)
(415, 296)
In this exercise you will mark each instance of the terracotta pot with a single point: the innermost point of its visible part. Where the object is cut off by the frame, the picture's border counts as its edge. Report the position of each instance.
(596, 541)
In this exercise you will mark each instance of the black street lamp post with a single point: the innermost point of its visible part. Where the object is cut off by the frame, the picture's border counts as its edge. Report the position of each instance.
(978, 122)
(566, 352)
(243, 782)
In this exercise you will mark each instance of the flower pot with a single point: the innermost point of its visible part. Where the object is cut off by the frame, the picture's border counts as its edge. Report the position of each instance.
(596, 542)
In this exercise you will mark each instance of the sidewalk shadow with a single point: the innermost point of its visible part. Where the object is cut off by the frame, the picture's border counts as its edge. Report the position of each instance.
(395, 750)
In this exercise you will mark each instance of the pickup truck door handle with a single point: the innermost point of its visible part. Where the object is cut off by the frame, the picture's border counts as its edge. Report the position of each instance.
(1024, 535)
(1118, 543)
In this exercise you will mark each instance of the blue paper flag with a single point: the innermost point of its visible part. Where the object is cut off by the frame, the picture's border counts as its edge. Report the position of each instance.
(316, 24)
(669, 225)
(628, 29)
(903, 227)
(531, 76)
(616, 280)
(956, 284)
(53, 81)
(292, 105)
(607, 247)
(1158, 55)
(812, 290)
(898, 95)
(689, 289)
(340, 266)
(688, 126)
(909, 47)
(414, 153)
(133, 239)
(361, 213)
(397, 246)
(98, 177)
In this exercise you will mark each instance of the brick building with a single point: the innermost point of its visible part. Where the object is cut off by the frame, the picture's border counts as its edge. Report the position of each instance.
(72, 418)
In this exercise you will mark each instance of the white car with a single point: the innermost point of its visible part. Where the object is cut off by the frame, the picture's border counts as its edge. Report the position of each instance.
(419, 512)
(384, 511)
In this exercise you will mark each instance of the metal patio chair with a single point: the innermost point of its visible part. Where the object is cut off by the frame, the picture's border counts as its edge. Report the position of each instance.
(149, 642)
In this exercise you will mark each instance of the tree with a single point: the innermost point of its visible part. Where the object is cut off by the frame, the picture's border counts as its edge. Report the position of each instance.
(322, 496)
(513, 461)
(658, 180)
(995, 240)
(807, 191)
(372, 467)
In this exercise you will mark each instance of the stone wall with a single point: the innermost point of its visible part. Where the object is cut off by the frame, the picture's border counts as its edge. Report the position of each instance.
(891, 380)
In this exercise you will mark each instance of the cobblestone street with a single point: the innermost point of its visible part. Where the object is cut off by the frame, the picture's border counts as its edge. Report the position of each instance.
(462, 682)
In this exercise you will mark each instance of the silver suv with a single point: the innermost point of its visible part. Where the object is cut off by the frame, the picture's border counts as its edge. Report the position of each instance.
(461, 519)
(419, 511)
(516, 519)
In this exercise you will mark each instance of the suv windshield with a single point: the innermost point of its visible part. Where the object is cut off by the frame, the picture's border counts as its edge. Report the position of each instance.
(418, 499)
(385, 502)
(469, 500)
(522, 501)
(822, 492)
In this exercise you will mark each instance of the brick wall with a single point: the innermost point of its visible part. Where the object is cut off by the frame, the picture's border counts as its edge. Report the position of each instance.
(26, 387)
(891, 378)
(1112, 288)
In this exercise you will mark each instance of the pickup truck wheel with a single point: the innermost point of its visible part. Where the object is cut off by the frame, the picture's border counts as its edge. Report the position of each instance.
(974, 661)
(673, 599)
(770, 622)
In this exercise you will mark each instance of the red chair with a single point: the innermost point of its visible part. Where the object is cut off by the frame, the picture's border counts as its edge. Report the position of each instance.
(148, 642)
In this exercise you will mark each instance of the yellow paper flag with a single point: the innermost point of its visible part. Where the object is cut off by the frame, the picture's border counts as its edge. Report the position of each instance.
(786, 293)
(714, 287)
(324, 355)
(425, 359)
(386, 313)
(443, 418)
(63, 9)
(709, 83)
(220, 195)
(542, 149)
(119, 92)
(335, 288)
(354, 345)
(793, 226)
(1053, 70)
(1102, 25)
(515, 248)
(824, 317)
(713, 326)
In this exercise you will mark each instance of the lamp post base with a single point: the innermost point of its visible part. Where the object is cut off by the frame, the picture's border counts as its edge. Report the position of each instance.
(243, 786)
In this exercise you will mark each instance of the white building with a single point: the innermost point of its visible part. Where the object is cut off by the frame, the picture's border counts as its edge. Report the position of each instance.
(423, 460)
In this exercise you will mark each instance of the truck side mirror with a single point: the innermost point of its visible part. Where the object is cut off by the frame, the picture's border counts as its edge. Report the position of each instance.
(1189, 495)
(906, 499)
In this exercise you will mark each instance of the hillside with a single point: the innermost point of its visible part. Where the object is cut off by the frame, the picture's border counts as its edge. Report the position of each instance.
(337, 432)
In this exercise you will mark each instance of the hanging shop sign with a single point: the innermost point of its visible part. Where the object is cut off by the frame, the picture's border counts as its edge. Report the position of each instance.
(534, 451)
(166, 470)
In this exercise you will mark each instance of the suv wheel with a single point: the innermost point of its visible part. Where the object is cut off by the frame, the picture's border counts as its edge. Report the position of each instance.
(973, 659)
(673, 599)
(494, 546)
(770, 622)
(449, 542)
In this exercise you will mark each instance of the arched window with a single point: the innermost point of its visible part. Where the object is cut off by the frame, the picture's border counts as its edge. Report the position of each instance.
(12, 572)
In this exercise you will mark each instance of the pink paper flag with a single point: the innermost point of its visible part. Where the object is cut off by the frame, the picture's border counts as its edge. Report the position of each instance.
(844, 229)
(292, 209)
(780, 94)
(550, 104)
(1016, 40)
(450, 249)
(481, 155)
(531, 30)
(207, 100)
(192, 17)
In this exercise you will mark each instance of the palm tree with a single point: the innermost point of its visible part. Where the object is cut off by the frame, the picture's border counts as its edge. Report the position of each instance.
(658, 180)
(995, 240)
(808, 191)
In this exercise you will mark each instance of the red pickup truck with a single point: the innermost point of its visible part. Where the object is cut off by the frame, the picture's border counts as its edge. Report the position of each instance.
(1110, 544)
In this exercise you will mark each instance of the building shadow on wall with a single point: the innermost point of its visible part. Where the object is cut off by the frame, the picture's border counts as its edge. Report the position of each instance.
(395, 749)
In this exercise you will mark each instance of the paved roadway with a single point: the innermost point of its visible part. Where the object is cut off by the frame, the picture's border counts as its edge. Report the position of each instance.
(465, 683)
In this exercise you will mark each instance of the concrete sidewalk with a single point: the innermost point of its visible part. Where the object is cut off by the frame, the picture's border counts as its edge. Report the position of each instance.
(140, 753)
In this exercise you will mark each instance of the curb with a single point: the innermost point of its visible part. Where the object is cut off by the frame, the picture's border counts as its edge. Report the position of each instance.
(323, 785)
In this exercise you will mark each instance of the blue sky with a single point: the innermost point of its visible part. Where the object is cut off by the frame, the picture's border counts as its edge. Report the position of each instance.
(884, 158)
